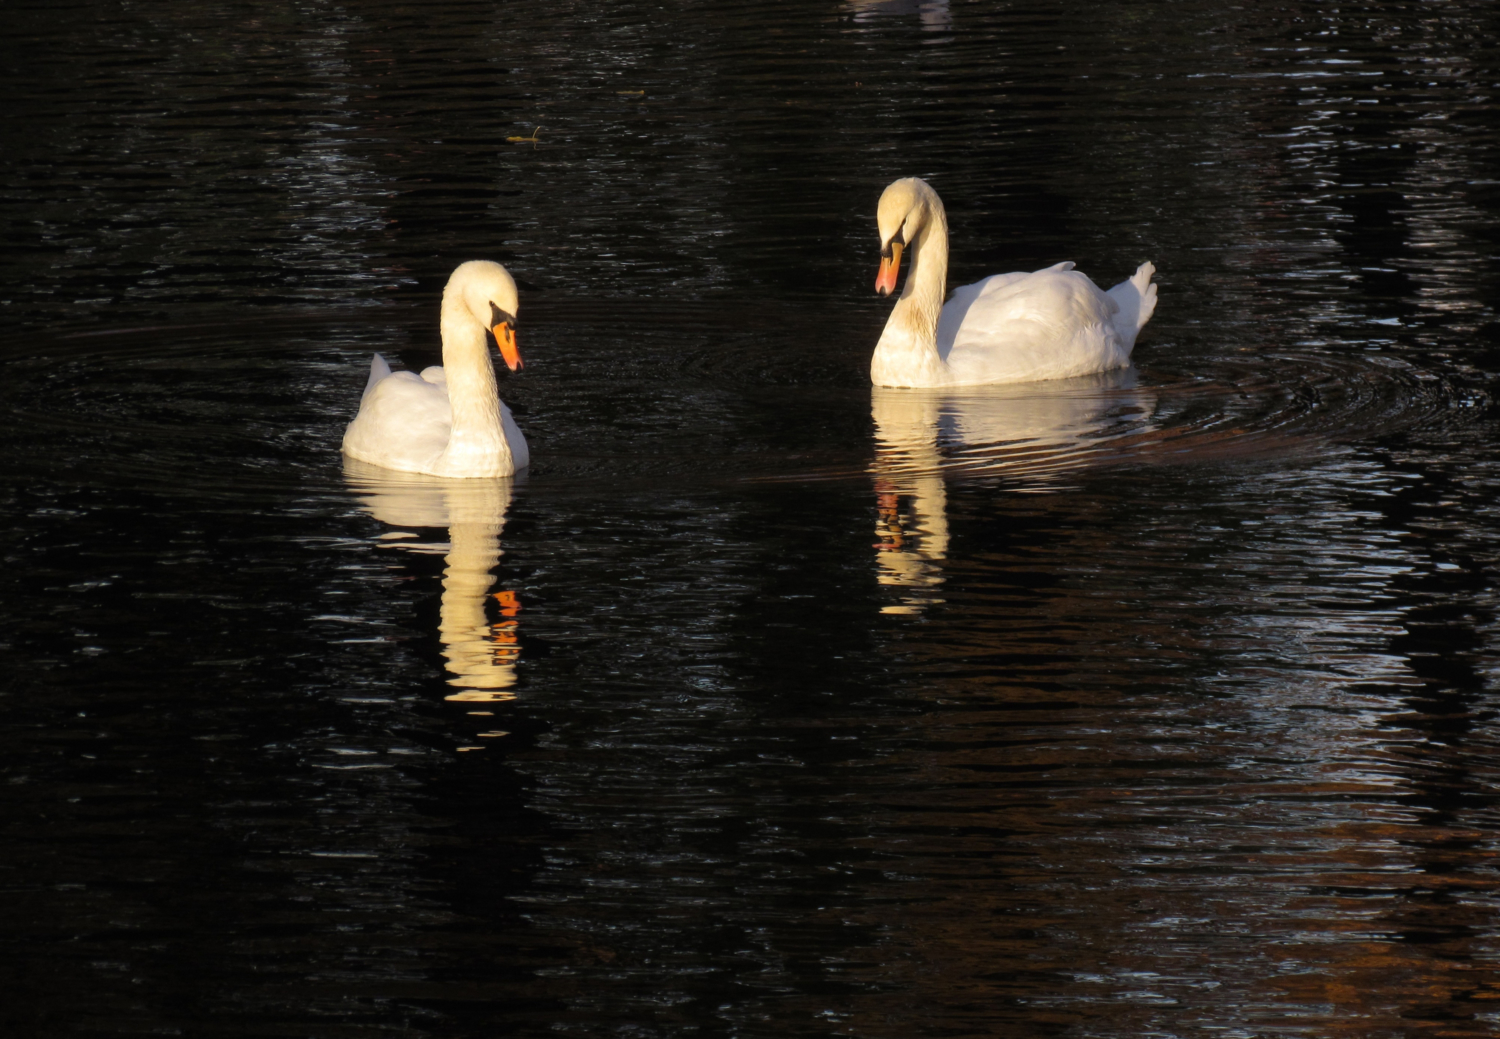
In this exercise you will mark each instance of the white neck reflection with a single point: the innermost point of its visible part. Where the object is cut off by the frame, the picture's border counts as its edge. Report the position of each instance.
(480, 654)
(934, 14)
(1032, 434)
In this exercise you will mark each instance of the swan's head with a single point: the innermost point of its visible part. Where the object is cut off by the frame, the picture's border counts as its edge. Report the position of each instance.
(485, 289)
(906, 208)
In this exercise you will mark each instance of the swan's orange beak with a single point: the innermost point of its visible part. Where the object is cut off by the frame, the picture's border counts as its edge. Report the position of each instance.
(505, 338)
(890, 266)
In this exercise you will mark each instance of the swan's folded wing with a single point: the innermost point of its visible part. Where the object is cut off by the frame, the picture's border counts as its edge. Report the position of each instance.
(519, 452)
(956, 311)
(379, 369)
(1051, 324)
(403, 423)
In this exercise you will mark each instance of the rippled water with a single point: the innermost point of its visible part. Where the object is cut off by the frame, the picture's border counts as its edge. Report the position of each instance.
(1155, 704)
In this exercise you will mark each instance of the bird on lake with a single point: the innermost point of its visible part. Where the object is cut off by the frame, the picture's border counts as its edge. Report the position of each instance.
(1049, 324)
(449, 420)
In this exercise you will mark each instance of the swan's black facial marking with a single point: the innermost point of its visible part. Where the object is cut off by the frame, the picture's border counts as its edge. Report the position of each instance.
(503, 328)
(500, 317)
(899, 238)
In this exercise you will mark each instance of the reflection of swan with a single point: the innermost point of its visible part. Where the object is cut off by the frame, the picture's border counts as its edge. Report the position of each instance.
(933, 13)
(1050, 324)
(450, 421)
(480, 655)
(912, 502)
(1029, 433)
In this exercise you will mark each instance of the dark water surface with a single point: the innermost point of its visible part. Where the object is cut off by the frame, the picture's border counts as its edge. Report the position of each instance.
(1158, 704)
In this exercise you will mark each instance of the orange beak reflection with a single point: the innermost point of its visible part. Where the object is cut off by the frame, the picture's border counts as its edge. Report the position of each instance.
(890, 266)
(505, 338)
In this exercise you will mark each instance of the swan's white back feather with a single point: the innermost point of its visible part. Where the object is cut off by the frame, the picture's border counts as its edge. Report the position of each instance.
(518, 449)
(404, 421)
(1049, 324)
(378, 370)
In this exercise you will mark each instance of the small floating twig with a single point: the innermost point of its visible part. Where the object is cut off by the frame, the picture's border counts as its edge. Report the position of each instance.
(526, 140)
(632, 93)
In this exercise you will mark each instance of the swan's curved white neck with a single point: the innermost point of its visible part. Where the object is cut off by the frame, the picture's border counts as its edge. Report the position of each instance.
(907, 354)
(477, 439)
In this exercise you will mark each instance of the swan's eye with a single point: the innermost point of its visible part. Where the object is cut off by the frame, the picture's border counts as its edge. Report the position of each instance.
(899, 238)
(500, 317)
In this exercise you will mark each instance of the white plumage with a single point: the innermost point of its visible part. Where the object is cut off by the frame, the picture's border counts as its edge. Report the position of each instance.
(449, 420)
(1048, 324)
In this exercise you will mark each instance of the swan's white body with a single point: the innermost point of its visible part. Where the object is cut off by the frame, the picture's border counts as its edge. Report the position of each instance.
(448, 421)
(1049, 324)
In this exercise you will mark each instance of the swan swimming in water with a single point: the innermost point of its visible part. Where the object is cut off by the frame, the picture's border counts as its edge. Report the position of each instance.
(449, 421)
(1049, 324)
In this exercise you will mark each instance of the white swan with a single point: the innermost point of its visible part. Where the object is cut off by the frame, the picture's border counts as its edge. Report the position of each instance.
(1050, 324)
(449, 421)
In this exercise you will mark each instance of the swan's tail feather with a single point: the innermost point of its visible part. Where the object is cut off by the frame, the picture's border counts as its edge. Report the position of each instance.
(1136, 297)
(378, 370)
(1141, 279)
